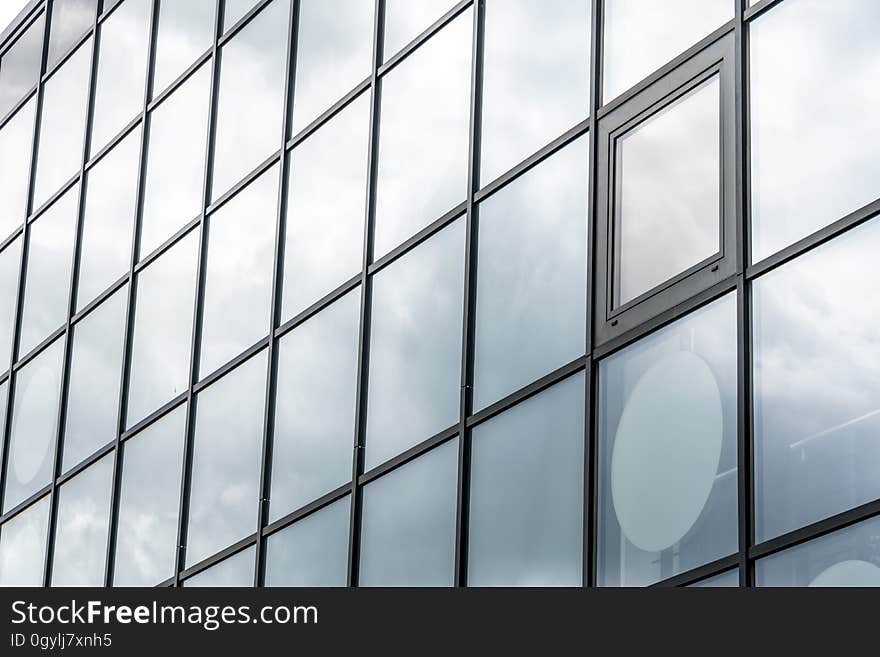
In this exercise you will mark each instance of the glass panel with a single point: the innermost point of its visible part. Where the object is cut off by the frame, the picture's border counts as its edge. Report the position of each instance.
(727, 580)
(34, 426)
(175, 161)
(406, 19)
(108, 220)
(527, 492)
(809, 61)
(49, 265)
(315, 411)
(313, 551)
(16, 138)
(162, 329)
(240, 264)
(95, 371)
(532, 275)
(23, 546)
(408, 526)
(845, 558)
(82, 526)
(640, 37)
(325, 208)
(236, 10)
(225, 489)
(817, 414)
(234, 571)
(667, 450)
(250, 105)
(551, 89)
(669, 196)
(415, 346)
(10, 258)
(70, 20)
(146, 538)
(333, 54)
(423, 139)
(62, 125)
(186, 30)
(20, 65)
(122, 70)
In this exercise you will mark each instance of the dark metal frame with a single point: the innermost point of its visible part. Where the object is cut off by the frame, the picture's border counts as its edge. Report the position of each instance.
(601, 340)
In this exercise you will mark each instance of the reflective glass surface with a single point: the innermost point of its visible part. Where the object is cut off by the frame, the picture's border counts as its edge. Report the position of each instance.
(149, 499)
(23, 546)
(9, 261)
(727, 580)
(527, 492)
(532, 275)
(234, 571)
(408, 525)
(667, 450)
(415, 346)
(816, 410)
(406, 19)
(20, 65)
(813, 145)
(325, 208)
(238, 279)
(312, 551)
(251, 96)
(185, 31)
(225, 486)
(70, 20)
(315, 407)
(551, 92)
(16, 138)
(236, 10)
(423, 136)
(81, 527)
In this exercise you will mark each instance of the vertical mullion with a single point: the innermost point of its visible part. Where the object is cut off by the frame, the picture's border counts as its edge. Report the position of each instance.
(470, 278)
(275, 311)
(360, 425)
(130, 304)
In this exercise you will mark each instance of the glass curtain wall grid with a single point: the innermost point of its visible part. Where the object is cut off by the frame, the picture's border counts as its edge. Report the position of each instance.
(438, 321)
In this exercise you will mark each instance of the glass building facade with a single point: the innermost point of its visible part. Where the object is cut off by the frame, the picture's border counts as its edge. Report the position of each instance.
(437, 293)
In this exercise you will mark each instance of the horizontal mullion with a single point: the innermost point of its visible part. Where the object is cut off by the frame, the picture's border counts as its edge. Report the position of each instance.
(226, 368)
(18, 105)
(222, 555)
(42, 346)
(759, 8)
(181, 79)
(12, 32)
(90, 460)
(319, 305)
(114, 287)
(63, 59)
(168, 244)
(252, 175)
(117, 138)
(312, 507)
(229, 31)
(409, 455)
(16, 233)
(156, 415)
(65, 187)
(21, 506)
(700, 573)
(328, 114)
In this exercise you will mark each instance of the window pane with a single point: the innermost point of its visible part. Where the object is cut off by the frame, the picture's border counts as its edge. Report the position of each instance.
(809, 60)
(423, 139)
(532, 275)
(175, 161)
(16, 138)
(234, 571)
(95, 371)
(49, 265)
(186, 30)
(23, 546)
(9, 261)
(313, 551)
(325, 208)
(70, 20)
(251, 97)
(816, 385)
(406, 19)
(236, 10)
(122, 70)
(162, 329)
(730, 579)
(20, 66)
(640, 37)
(415, 346)
(315, 409)
(108, 221)
(845, 558)
(34, 426)
(82, 525)
(527, 492)
(238, 279)
(669, 201)
(62, 125)
(408, 526)
(225, 489)
(667, 450)
(149, 499)
(551, 89)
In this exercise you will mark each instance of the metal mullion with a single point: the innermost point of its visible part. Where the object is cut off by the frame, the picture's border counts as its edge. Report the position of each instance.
(15, 108)
(360, 425)
(16, 29)
(275, 310)
(312, 507)
(700, 573)
(12, 237)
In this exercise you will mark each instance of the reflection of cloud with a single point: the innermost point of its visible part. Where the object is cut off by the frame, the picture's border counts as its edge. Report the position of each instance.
(812, 60)
(20, 66)
(406, 19)
(9, 260)
(23, 546)
(237, 570)
(70, 20)
(551, 92)
(16, 138)
(185, 31)
(235, 11)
